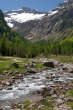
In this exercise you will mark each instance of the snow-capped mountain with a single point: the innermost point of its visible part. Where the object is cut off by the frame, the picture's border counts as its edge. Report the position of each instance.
(22, 15)
(35, 25)
(27, 14)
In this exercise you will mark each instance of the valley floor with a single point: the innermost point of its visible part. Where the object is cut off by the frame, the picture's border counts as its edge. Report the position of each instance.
(47, 87)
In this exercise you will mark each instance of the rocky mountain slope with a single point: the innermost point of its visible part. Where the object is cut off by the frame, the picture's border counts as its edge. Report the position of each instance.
(33, 25)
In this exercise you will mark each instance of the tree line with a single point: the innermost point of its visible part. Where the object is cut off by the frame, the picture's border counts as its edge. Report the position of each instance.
(27, 49)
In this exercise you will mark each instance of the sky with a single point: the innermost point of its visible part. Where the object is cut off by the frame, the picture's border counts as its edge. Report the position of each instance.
(41, 5)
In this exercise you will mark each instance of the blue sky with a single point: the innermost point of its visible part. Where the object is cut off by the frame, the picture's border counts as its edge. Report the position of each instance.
(41, 5)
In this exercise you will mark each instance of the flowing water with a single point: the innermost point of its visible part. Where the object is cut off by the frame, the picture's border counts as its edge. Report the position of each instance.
(22, 89)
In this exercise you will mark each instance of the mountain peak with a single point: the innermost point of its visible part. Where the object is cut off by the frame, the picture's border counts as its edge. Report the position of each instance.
(26, 9)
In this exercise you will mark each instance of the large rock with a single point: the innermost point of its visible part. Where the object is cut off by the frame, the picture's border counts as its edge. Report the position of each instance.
(41, 107)
(68, 68)
(31, 65)
(32, 70)
(16, 65)
(59, 101)
(51, 63)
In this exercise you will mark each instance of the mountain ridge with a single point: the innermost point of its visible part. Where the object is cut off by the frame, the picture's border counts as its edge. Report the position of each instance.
(47, 26)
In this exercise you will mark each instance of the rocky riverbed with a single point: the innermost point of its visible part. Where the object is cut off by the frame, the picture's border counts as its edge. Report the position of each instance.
(15, 90)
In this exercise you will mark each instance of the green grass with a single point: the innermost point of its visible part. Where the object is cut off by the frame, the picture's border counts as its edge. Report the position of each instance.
(63, 59)
(39, 65)
(69, 103)
(27, 103)
(70, 93)
(48, 104)
(6, 64)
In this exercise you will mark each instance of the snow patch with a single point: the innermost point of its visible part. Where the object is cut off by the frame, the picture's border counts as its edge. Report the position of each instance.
(9, 22)
(10, 25)
(52, 13)
(21, 17)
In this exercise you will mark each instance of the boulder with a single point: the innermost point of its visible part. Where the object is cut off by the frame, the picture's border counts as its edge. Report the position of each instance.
(31, 65)
(20, 76)
(10, 73)
(51, 63)
(16, 65)
(41, 106)
(8, 83)
(9, 88)
(35, 77)
(12, 80)
(54, 96)
(32, 70)
(59, 101)
(52, 92)
(68, 68)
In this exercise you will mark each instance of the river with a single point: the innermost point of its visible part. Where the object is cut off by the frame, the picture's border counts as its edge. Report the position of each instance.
(21, 90)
